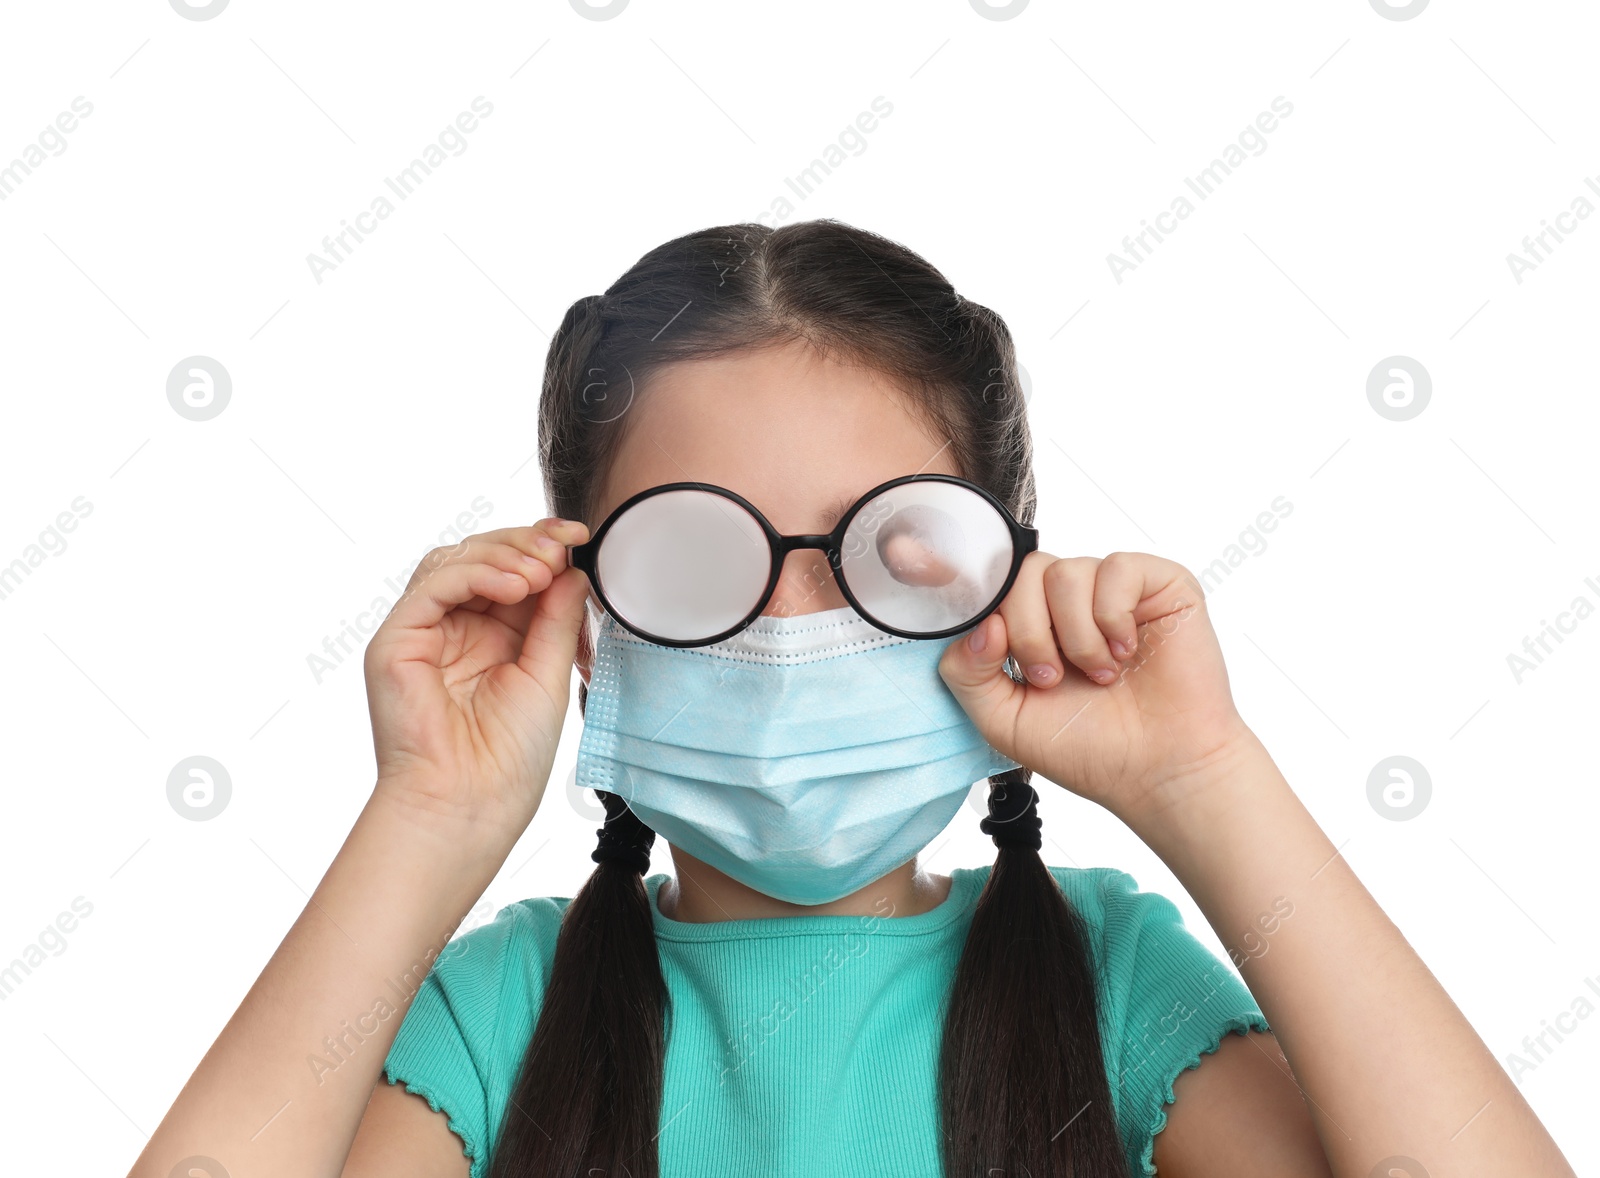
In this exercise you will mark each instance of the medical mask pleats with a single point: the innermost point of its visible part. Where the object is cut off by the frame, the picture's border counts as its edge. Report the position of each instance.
(804, 757)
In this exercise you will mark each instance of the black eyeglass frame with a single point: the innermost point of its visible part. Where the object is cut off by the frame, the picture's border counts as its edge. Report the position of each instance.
(1024, 539)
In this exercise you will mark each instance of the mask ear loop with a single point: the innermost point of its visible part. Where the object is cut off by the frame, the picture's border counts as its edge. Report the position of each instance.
(586, 645)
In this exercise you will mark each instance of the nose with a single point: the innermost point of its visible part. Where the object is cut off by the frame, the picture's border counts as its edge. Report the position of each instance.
(806, 585)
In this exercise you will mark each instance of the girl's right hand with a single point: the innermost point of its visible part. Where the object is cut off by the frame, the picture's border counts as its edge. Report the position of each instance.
(468, 676)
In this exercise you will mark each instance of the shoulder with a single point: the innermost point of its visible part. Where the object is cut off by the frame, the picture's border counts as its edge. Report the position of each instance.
(1165, 999)
(483, 989)
(1119, 916)
(1097, 891)
(518, 931)
(1127, 923)
(1147, 957)
(469, 1013)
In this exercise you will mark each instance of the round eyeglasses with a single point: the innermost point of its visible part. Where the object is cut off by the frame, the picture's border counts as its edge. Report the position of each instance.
(689, 564)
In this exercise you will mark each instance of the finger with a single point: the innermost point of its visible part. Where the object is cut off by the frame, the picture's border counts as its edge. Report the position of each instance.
(564, 531)
(976, 677)
(432, 594)
(536, 570)
(1069, 590)
(532, 551)
(551, 643)
(540, 570)
(502, 548)
(548, 558)
(1133, 588)
(912, 562)
(1027, 617)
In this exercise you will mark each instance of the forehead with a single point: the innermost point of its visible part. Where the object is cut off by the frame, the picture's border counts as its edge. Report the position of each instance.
(786, 427)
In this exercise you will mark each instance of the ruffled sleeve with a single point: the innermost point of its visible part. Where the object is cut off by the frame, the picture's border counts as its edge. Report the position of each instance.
(1166, 1000)
(467, 1028)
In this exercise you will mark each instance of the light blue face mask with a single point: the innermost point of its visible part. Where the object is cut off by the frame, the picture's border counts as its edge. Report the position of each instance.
(804, 756)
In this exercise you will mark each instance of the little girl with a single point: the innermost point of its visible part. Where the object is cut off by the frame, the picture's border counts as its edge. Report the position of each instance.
(791, 556)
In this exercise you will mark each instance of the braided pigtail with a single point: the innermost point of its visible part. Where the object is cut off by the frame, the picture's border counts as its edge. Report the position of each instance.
(1022, 1052)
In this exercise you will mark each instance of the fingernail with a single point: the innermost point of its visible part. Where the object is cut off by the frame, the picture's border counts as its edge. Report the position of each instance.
(1118, 649)
(1102, 676)
(979, 638)
(546, 544)
(1041, 672)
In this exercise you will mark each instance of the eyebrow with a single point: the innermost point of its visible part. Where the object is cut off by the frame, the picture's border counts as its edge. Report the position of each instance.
(835, 511)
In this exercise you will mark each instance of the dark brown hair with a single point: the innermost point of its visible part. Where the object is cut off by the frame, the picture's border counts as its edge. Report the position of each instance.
(1022, 1080)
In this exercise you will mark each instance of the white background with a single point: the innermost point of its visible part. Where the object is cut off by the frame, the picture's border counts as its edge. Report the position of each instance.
(371, 408)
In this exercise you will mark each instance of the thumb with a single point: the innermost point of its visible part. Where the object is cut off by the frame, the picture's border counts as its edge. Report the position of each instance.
(976, 677)
(551, 643)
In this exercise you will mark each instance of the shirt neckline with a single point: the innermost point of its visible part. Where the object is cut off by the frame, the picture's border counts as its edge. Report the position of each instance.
(965, 883)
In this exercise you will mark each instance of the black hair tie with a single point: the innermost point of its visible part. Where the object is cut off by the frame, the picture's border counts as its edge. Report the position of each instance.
(623, 836)
(1013, 819)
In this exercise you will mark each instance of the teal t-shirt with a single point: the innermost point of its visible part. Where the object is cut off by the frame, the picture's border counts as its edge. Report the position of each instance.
(808, 1045)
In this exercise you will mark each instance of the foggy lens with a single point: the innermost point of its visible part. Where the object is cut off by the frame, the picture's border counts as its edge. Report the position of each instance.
(684, 564)
(926, 556)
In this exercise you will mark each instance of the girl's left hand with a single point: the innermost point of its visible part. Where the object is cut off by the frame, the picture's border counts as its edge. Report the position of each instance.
(1127, 695)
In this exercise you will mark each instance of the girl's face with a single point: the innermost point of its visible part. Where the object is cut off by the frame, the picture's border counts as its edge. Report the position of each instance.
(800, 436)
